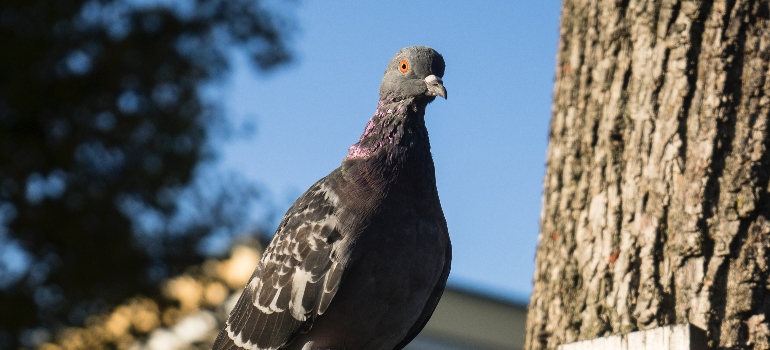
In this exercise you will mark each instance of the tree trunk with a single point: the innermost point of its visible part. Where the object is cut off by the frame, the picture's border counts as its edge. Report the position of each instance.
(656, 208)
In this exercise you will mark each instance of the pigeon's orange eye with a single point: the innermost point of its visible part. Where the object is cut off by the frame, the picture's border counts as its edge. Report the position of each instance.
(403, 66)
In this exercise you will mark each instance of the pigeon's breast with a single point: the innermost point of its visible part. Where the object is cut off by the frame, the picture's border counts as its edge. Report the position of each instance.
(395, 265)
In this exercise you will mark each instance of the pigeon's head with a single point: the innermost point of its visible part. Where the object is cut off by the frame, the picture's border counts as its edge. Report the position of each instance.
(414, 71)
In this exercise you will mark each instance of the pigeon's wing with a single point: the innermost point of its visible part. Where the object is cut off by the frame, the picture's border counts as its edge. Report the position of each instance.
(433, 300)
(295, 280)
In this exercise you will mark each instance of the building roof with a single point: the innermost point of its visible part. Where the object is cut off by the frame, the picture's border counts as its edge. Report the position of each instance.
(466, 320)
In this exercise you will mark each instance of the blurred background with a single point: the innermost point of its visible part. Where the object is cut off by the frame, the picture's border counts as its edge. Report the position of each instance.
(148, 149)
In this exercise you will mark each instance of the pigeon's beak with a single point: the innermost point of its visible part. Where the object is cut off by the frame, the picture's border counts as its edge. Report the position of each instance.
(435, 86)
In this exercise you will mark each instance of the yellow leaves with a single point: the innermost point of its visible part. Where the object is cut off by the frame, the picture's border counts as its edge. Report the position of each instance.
(137, 317)
(215, 294)
(78, 338)
(186, 290)
(140, 315)
(131, 323)
(237, 270)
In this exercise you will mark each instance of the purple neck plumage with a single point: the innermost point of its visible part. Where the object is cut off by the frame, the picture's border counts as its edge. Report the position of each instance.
(397, 124)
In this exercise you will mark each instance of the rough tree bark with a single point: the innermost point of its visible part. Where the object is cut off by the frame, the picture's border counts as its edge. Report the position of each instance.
(656, 208)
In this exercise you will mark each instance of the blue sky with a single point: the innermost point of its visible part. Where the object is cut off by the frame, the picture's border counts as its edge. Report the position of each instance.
(488, 138)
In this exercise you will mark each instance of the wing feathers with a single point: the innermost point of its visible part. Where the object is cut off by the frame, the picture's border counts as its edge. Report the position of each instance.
(330, 285)
(295, 280)
(300, 282)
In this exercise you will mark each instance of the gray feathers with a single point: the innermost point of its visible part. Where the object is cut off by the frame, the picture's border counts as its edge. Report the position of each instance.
(361, 259)
(295, 279)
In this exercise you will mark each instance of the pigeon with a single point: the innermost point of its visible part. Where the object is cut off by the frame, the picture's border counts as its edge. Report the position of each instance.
(361, 259)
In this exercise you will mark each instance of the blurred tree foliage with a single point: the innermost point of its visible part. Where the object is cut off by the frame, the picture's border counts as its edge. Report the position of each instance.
(102, 128)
